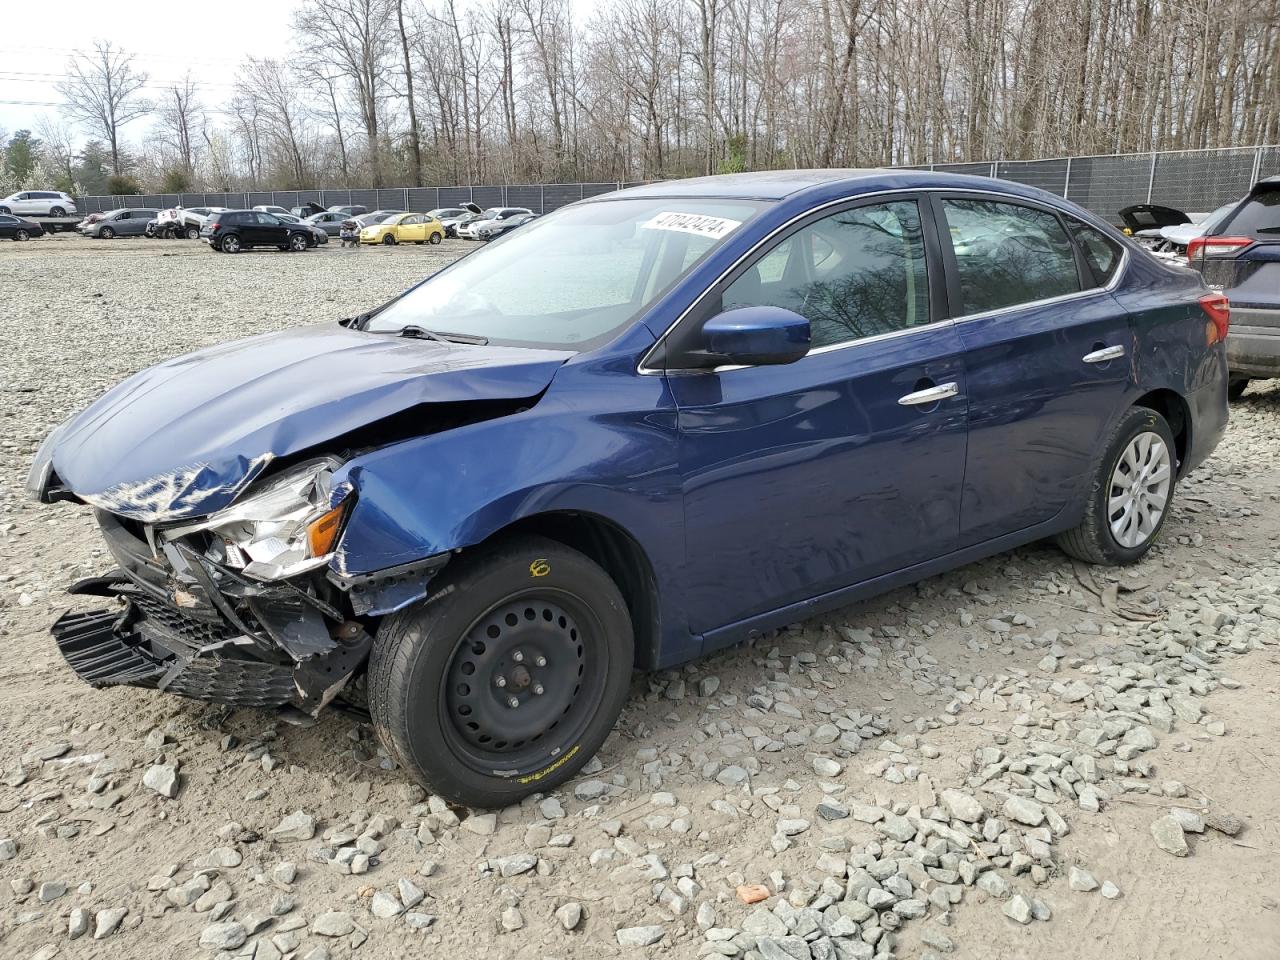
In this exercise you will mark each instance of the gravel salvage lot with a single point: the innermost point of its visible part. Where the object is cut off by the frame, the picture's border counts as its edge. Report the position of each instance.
(1023, 758)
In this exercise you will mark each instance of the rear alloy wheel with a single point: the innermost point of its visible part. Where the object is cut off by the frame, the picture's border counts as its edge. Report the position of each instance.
(230, 243)
(1132, 489)
(436, 238)
(106, 233)
(389, 240)
(57, 212)
(297, 243)
(509, 678)
(193, 233)
(21, 235)
(4, 210)
(1236, 387)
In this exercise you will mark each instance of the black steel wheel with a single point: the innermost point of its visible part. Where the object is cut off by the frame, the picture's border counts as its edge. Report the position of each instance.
(389, 240)
(509, 678)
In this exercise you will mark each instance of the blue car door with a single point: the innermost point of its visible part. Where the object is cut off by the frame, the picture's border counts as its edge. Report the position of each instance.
(847, 464)
(1047, 356)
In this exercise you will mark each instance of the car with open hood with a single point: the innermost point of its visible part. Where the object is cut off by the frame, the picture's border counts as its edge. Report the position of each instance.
(642, 428)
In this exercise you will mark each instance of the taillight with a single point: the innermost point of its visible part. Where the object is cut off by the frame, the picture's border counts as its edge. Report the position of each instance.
(1218, 309)
(1215, 246)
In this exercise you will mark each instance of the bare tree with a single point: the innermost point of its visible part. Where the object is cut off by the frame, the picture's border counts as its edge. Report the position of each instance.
(181, 116)
(415, 141)
(101, 91)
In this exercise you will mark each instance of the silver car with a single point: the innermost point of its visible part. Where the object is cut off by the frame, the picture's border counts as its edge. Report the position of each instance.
(39, 203)
(129, 222)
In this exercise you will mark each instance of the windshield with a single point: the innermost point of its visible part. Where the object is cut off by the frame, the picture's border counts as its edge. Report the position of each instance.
(573, 278)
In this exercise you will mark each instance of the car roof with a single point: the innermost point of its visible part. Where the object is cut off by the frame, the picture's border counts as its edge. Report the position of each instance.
(781, 184)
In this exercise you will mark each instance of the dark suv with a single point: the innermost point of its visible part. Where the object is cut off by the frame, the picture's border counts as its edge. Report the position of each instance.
(236, 230)
(1241, 257)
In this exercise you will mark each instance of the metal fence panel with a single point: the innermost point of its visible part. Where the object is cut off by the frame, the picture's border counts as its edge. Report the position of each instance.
(364, 198)
(1269, 162)
(525, 196)
(1105, 185)
(557, 195)
(487, 196)
(1203, 180)
(972, 169)
(1050, 175)
(261, 199)
(596, 189)
(396, 199)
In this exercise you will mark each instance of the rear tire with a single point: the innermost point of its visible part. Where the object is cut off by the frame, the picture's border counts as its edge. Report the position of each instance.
(21, 235)
(193, 233)
(436, 238)
(5, 210)
(530, 621)
(1132, 490)
(58, 212)
(229, 244)
(1236, 387)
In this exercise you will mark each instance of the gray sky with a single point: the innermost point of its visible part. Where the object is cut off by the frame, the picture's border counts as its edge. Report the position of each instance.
(169, 38)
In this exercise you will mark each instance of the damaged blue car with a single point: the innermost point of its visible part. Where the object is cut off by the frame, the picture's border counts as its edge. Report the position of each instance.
(642, 428)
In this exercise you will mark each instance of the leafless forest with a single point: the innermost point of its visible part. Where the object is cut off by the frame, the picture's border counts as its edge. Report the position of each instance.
(439, 91)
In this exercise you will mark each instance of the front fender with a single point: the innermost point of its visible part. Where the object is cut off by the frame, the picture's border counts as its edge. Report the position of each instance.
(598, 444)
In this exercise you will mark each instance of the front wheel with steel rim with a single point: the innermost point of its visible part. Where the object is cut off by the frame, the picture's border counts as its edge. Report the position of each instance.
(1131, 492)
(508, 678)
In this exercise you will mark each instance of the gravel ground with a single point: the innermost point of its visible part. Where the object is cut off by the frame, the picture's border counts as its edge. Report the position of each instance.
(1024, 758)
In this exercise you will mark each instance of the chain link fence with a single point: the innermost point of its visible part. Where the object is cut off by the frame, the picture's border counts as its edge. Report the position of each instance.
(1194, 181)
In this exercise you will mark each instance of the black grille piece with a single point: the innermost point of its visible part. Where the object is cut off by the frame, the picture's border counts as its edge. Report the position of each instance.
(99, 655)
(175, 629)
(237, 683)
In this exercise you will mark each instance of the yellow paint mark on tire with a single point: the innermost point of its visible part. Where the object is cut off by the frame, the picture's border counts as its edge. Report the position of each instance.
(539, 568)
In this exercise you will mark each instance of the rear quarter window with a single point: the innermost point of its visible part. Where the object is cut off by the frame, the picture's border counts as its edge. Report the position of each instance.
(1102, 255)
(1260, 214)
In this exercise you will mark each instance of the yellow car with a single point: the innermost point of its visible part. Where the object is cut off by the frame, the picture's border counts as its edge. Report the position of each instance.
(404, 228)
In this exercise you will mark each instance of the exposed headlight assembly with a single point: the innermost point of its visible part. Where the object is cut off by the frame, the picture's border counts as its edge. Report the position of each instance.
(283, 527)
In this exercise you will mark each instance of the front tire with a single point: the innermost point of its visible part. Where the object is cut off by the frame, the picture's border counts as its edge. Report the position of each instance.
(1132, 490)
(1236, 387)
(436, 238)
(106, 233)
(389, 240)
(508, 678)
(297, 243)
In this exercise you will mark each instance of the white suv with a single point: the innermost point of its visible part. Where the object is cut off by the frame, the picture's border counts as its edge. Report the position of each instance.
(39, 203)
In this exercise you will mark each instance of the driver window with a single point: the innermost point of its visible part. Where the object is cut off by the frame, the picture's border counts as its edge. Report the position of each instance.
(858, 273)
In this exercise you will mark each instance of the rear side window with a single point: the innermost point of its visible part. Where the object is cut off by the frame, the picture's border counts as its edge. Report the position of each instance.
(1260, 214)
(858, 273)
(1007, 254)
(1101, 253)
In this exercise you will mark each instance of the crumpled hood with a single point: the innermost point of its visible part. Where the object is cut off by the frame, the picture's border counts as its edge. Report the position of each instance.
(183, 438)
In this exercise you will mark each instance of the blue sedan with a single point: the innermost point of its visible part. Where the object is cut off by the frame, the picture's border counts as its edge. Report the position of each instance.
(639, 429)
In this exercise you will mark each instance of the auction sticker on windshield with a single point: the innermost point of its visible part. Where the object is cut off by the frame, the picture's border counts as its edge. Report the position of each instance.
(703, 226)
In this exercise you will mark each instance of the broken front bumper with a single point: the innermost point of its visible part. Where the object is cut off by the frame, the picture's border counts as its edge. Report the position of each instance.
(187, 625)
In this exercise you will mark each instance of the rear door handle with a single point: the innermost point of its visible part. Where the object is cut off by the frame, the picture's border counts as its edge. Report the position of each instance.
(930, 395)
(1104, 355)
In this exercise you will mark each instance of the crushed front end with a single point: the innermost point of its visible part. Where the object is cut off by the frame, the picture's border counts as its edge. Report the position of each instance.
(237, 608)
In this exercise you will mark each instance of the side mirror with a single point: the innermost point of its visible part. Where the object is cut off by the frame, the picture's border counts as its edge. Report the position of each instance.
(750, 337)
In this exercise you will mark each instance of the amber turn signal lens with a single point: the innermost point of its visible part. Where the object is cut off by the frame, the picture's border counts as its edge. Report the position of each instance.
(322, 532)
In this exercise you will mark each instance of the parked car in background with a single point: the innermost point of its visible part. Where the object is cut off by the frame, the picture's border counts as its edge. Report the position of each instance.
(126, 222)
(453, 217)
(1240, 256)
(271, 208)
(16, 228)
(349, 211)
(1143, 222)
(192, 219)
(318, 235)
(481, 225)
(404, 228)
(306, 210)
(38, 203)
(496, 228)
(330, 223)
(548, 463)
(376, 216)
(236, 230)
(1176, 239)
(89, 220)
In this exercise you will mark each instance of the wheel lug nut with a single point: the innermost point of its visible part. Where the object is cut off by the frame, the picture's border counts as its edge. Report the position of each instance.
(537, 689)
(541, 661)
(518, 657)
(500, 682)
(512, 702)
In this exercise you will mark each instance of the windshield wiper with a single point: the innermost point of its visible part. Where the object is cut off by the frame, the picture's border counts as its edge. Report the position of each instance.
(422, 333)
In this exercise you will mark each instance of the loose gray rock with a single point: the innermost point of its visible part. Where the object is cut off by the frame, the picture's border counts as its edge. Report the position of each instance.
(1018, 908)
(1082, 880)
(8, 849)
(962, 806)
(163, 779)
(639, 936)
(1227, 823)
(296, 826)
(223, 936)
(570, 915)
(77, 923)
(335, 923)
(1169, 836)
(106, 922)
(384, 905)
(1110, 890)
(1024, 810)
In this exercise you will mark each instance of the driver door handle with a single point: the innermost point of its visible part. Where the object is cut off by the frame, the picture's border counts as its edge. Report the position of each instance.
(930, 395)
(1104, 355)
